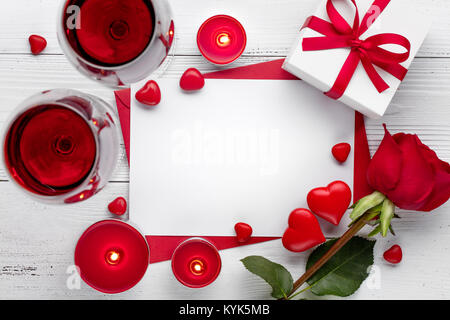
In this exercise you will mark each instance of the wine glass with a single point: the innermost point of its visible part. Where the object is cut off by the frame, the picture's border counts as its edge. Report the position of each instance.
(117, 42)
(61, 146)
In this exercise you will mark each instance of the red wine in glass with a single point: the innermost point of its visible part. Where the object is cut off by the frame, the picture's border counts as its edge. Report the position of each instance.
(116, 41)
(112, 32)
(51, 147)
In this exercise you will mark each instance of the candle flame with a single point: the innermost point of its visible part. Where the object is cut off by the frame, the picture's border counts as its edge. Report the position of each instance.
(113, 257)
(223, 39)
(197, 267)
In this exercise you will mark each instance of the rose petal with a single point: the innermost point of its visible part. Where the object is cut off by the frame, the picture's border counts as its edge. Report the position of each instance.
(417, 175)
(441, 191)
(432, 157)
(385, 167)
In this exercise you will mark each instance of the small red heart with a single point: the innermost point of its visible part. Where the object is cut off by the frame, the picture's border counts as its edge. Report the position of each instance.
(243, 232)
(118, 206)
(37, 44)
(394, 254)
(150, 94)
(331, 202)
(303, 233)
(341, 151)
(192, 80)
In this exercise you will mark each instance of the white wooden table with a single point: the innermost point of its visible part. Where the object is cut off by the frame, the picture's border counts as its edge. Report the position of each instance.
(37, 241)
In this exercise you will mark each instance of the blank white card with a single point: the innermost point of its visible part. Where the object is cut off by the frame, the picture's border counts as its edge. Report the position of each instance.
(236, 151)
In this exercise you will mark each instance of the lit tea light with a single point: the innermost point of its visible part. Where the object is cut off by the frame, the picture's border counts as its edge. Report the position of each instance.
(112, 256)
(221, 39)
(196, 263)
(197, 267)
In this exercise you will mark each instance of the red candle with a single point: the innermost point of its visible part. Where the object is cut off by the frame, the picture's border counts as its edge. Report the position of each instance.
(196, 263)
(221, 39)
(112, 256)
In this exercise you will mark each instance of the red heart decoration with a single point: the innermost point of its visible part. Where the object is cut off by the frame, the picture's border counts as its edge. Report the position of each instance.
(341, 151)
(150, 94)
(394, 254)
(243, 232)
(37, 44)
(331, 202)
(303, 233)
(192, 80)
(118, 206)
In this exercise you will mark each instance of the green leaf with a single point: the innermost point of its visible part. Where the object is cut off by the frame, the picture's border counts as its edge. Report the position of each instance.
(374, 222)
(369, 218)
(391, 230)
(366, 203)
(375, 231)
(387, 213)
(376, 208)
(274, 274)
(343, 274)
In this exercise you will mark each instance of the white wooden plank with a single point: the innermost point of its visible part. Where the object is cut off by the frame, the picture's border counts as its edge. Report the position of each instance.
(271, 25)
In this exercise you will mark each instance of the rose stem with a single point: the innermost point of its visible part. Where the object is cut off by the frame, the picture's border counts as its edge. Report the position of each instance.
(354, 229)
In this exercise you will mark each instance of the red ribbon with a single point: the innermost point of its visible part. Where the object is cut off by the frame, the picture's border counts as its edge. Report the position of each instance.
(339, 34)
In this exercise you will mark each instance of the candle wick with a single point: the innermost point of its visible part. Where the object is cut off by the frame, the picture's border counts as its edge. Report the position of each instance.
(223, 39)
(113, 257)
(197, 267)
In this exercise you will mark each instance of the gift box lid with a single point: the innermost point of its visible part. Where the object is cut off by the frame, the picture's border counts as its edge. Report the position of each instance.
(321, 68)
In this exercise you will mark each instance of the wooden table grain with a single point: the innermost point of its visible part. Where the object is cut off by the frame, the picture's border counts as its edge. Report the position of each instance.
(37, 240)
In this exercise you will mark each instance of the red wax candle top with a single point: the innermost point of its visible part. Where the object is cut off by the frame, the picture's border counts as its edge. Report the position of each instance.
(112, 256)
(196, 263)
(221, 39)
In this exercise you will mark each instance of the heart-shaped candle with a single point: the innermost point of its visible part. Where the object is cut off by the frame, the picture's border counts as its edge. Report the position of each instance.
(118, 206)
(394, 254)
(303, 232)
(330, 202)
(341, 151)
(37, 44)
(196, 263)
(243, 232)
(149, 94)
(192, 80)
(112, 256)
(221, 39)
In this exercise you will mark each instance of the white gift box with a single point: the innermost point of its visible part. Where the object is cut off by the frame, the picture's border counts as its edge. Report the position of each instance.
(320, 68)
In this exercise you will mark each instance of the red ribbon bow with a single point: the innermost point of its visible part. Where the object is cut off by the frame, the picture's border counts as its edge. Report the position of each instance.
(339, 34)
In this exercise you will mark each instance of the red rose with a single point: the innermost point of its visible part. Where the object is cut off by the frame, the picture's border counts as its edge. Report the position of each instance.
(409, 173)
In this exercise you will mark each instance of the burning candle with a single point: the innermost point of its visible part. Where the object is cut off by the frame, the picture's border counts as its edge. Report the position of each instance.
(196, 263)
(112, 256)
(221, 39)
